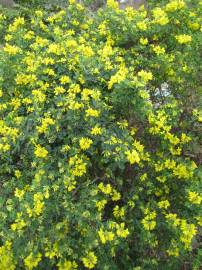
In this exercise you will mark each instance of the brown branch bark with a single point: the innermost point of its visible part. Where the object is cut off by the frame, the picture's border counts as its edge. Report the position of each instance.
(7, 3)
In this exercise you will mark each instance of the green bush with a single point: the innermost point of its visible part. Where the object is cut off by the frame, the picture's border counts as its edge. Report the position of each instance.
(99, 128)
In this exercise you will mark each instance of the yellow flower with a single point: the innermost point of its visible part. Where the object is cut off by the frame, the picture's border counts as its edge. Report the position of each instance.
(96, 130)
(142, 25)
(143, 177)
(18, 225)
(32, 260)
(173, 218)
(46, 122)
(164, 204)
(182, 171)
(39, 13)
(149, 221)
(17, 174)
(105, 236)
(143, 41)
(174, 5)
(188, 232)
(64, 79)
(105, 189)
(67, 265)
(38, 203)
(118, 212)
(85, 143)
(149, 225)
(118, 77)
(65, 148)
(160, 17)
(6, 257)
(194, 26)
(39, 96)
(185, 138)
(8, 37)
(2, 17)
(116, 196)
(121, 231)
(19, 193)
(194, 197)
(12, 50)
(17, 22)
(161, 179)
(55, 49)
(173, 250)
(132, 156)
(145, 76)
(92, 112)
(86, 51)
(112, 4)
(59, 90)
(40, 151)
(101, 204)
(158, 50)
(173, 139)
(4, 147)
(78, 166)
(90, 260)
(182, 39)
(23, 79)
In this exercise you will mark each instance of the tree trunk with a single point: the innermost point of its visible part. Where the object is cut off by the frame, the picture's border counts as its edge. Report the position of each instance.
(132, 3)
(7, 3)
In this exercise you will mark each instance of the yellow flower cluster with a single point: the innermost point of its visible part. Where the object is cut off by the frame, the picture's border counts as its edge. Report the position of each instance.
(11, 49)
(108, 190)
(112, 4)
(78, 166)
(101, 204)
(160, 16)
(20, 21)
(6, 257)
(194, 197)
(46, 122)
(96, 130)
(132, 156)
(145, 76)
(105, 236)
(188, 231)
(118, 77)
(38, 203)
(107, 163)
(182, 39)
(174, 5)
(164, 204)
(142, 25)
(90, 112)
(90, 260)
(67, 265)
(118, 212)
(32, 260)
(85, 143)
(40, 151)
(173, 249)
(121, 230)
(158, 50)
(19, 223)
(149, 221)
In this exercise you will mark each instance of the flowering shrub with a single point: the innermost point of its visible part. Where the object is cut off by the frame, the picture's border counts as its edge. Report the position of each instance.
(99, 116)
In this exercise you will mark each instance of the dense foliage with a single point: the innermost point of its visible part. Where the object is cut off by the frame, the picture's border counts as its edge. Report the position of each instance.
(99, 145)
